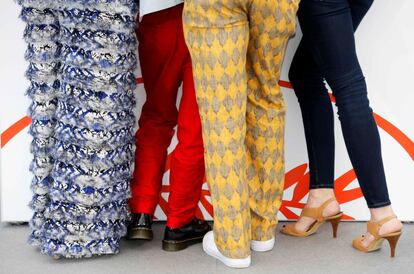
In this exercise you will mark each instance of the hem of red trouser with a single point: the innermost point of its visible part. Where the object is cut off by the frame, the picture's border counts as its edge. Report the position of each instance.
(142, 207)
(177, 222)
(150, 209)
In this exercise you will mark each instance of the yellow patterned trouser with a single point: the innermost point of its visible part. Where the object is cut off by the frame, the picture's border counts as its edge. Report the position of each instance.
(237, 48)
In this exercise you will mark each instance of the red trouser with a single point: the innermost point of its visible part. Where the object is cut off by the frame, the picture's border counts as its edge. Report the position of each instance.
(165, 64)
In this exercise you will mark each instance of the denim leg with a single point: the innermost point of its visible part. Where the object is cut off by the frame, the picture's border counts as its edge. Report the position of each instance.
(316, 107)
(329, 34)
(317, 116)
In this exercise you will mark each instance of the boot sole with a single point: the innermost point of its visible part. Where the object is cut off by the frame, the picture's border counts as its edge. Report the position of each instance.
(140, 234)
(180, 245)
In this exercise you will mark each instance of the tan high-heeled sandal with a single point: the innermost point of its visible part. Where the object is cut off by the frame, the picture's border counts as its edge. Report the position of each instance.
(317, 214)
(373, 228)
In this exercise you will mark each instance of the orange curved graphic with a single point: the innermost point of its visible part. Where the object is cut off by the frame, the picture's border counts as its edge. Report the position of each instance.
(285, 84)
(14, 129)
(397, 134)
(139, 80)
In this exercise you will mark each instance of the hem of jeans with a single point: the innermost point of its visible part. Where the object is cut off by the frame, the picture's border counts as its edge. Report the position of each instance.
(378, 205)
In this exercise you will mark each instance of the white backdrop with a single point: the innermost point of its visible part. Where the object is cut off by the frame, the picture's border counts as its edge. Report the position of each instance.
(385, 45)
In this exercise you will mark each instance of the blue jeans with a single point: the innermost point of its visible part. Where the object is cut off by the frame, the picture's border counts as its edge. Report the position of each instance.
(327, 52)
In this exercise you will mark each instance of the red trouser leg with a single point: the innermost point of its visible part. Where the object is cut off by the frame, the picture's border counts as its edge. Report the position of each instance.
(165, 63)
(161, 71)
(187, 164)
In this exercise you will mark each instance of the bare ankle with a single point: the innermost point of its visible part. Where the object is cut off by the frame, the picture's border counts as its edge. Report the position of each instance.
(321, 193)
(380, 213)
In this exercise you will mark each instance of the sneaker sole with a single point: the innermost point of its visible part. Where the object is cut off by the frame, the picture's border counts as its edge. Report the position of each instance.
(233, 263)
(262, 246)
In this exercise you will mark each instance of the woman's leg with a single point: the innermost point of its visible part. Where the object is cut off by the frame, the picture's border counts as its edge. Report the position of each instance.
(317, 116)
(328, 33)
(316, 106)
(318, 122)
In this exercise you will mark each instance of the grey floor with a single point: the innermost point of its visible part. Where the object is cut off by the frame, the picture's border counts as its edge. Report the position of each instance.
(317, 254)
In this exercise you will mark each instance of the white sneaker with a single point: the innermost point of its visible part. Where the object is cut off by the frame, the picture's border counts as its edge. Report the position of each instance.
(262, 246)
(210, 247)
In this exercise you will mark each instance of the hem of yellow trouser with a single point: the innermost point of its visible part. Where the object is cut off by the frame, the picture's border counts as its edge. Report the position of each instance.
(270, 234)
(230, 254)
(263, 238)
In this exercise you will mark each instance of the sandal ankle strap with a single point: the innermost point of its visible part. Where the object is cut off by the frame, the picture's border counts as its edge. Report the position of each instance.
(316, 212)
(374, 227)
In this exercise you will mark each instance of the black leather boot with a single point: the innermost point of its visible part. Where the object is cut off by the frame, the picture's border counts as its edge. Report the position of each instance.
(180, 238)
(140, 227)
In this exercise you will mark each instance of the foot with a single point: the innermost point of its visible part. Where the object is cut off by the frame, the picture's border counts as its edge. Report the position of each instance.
(262, 246)
(140, 227)
(210, 247)
(176, 239)
(316, 198)
(391, 226)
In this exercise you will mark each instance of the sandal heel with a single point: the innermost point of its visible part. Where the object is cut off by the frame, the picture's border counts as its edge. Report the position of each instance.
(317, 214)
(335, 223)
(393, 240)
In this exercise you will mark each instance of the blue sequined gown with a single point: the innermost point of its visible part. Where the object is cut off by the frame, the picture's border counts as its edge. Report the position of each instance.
(81, 56)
